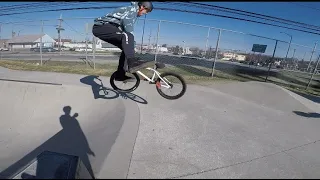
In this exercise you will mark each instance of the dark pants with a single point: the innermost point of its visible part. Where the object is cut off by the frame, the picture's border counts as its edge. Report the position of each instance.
(123, 40)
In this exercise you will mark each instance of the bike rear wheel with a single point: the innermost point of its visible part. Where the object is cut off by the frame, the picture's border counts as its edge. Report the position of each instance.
(173, 80)
(125, 86)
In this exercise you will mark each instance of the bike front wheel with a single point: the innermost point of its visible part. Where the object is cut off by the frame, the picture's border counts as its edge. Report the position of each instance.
(167, 82)
(125, 86)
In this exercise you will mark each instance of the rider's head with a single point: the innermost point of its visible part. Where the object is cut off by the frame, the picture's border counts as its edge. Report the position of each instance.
(144, 8)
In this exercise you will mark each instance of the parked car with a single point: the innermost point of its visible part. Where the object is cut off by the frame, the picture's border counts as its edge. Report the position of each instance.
(4, 49)
(44, 49)
(83, 49)
(63, 48)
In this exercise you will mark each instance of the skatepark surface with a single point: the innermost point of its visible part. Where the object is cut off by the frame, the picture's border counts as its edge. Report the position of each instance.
(227, 130)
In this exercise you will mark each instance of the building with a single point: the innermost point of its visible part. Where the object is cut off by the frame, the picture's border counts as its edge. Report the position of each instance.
(63, 42)
(227, 56)
(102, 45)
(186, 51)
(30, 41)
(3, 43)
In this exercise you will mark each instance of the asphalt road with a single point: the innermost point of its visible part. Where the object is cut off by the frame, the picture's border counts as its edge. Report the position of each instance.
(229, 130)
(171, 60)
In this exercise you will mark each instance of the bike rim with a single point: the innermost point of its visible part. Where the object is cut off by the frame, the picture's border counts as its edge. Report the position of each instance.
(126, 85)
(171, 86)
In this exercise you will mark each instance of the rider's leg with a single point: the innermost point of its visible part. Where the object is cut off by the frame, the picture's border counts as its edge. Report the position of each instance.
(122, 40)
(121, 73)
(128, 47)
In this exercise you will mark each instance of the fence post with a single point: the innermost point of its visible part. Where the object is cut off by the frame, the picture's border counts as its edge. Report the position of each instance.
(94, 43)
(41, 43)
(274, 51)
(144, 24)
(205, 50)
(86, 44)
(314, 72)
(314, 48)
(216, 54)
(2, 44)
(158, 33)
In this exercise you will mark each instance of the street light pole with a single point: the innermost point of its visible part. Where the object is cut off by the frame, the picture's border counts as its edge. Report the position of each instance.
(289, 44)
(183, 49)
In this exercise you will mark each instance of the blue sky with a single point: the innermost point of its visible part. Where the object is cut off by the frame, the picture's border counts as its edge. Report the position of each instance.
(175, 34)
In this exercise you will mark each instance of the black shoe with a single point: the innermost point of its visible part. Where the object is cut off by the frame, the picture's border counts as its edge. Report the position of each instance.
(138, 65)
(124, 78)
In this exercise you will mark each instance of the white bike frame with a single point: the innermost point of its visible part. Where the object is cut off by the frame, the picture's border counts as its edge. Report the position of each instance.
(155, 72)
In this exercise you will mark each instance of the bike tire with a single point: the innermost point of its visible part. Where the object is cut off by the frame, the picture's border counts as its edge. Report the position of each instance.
(112, 79)
(182, 81)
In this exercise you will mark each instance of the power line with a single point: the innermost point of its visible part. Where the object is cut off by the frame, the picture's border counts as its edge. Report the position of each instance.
(229, 17)
(309, 7)
(43, 6)
(168, 9)
(64, 9)
(233, 12)
(18, 5)
(73, 28)
(253, 13)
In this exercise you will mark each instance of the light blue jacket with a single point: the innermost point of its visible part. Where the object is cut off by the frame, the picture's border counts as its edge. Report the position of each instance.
(124, 16)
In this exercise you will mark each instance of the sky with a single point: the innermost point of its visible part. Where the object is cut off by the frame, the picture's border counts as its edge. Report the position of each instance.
(186, 35)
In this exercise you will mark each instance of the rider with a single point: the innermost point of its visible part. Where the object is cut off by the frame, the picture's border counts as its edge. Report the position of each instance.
(117, 28)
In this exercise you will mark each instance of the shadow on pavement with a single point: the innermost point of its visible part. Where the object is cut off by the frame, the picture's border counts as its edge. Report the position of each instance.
(108, 92)
(313, 98)
(308, 115)
(70, 140)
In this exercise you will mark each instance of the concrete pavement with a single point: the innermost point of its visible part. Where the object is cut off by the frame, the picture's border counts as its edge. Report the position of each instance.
(33, 119)
(232, 130)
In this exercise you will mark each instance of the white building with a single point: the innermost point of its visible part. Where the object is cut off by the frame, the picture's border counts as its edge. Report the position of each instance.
(100, 46)
(30, 41)
(186, 51)
(227, 56)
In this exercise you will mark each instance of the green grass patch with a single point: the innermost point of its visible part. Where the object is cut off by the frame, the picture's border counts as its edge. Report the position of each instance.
(192, 74)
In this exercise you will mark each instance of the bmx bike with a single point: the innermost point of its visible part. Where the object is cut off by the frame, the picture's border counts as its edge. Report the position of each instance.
(164, 80)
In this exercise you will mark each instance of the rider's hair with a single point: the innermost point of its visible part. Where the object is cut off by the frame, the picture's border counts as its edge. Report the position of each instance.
(148, 5)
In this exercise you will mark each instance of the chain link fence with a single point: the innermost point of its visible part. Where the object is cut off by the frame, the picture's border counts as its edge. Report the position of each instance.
(198, 51)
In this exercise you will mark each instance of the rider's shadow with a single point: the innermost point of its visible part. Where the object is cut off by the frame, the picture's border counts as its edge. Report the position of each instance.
(97, 88)
(107, 92)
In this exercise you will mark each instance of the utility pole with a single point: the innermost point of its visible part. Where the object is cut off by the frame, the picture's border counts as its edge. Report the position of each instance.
(293, 61)
(0, 41)
(289, 44)
(271, 61)
(59, 29)
(149, 40)
(41, 43)
(13, 33)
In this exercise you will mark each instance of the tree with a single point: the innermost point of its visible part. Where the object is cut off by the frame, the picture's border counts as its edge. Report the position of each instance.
(164, 45)
(176, 50)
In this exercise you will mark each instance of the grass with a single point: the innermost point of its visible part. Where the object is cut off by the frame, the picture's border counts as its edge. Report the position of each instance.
(192, 74)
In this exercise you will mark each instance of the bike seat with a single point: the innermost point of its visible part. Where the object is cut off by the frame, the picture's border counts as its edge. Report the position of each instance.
(160, 65)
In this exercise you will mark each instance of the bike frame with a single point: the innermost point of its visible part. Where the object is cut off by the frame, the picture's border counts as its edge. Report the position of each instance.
(155, 72)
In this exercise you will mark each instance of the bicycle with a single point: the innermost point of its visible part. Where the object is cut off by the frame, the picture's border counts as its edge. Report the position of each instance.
(161, 81)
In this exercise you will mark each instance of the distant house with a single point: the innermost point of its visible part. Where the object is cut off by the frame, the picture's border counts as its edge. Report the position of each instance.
(104, 46)
(233, 56)
(30, 41)
(63, 42)
(3, 43)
